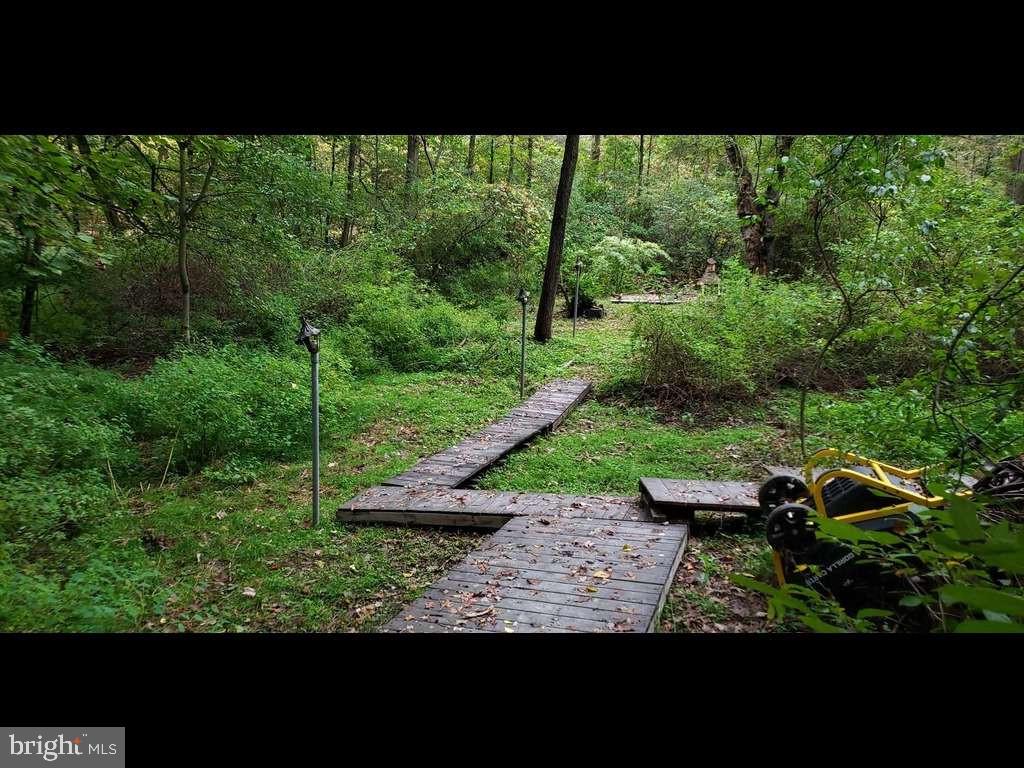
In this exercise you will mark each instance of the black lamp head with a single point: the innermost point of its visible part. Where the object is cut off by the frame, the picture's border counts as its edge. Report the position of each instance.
(308, 335)
(523, 297)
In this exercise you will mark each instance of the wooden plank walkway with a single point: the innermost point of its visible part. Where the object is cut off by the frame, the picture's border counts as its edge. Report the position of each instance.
(431, 505)
(555, 573)
(650, 298)
(456, 466)
(681, 498)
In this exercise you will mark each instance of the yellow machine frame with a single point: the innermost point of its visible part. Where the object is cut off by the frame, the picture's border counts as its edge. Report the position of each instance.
(880, 480)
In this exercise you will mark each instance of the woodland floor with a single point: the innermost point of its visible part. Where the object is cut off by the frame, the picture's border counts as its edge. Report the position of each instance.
(245, 559)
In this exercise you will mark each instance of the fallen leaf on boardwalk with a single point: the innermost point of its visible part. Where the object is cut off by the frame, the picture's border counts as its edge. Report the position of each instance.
(630, 575)
(545, 521)
(626, 548)
(484, 612)
(602, 575)
(249, 592)
(591, 589)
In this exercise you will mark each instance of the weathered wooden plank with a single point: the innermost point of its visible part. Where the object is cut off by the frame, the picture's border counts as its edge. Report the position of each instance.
(690, 495)
(559, 596)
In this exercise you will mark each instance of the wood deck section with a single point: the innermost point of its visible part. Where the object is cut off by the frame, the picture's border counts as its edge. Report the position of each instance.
(681, 498)
(543, 573)
(649, 298)
(432, 505)
(456, 466)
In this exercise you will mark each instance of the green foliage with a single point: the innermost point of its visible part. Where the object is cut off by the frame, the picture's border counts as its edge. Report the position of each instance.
(617, 265)
(958, 571)
(236, 401)
(733, 342)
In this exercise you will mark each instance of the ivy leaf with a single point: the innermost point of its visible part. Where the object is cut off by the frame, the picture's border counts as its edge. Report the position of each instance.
(983, 598)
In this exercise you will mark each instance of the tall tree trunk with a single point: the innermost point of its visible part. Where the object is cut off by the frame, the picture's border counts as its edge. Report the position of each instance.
(1015, 185)
(412, 159)
(186, 286)
(350, 189)
(28, 295)
(330, 185)
(552, 269)
(640, 170)
(529, 162)
(471, 156)
(426, 153)
(490, 166)
(98, 183)
(376, 165)
(757, 219)
(595, 149)
(511, 157)
(650, 151)
(773, 193)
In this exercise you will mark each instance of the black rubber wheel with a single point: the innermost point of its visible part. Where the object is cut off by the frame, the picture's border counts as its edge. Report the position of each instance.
(790, 527)
(780, 489)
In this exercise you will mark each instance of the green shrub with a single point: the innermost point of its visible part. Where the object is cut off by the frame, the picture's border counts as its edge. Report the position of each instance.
(733, 342)
(237, 401)
(617, 265)
(60, 438)
(410, 331)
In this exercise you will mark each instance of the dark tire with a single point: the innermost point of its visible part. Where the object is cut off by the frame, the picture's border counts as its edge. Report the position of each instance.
(790, 527)
(780, 489)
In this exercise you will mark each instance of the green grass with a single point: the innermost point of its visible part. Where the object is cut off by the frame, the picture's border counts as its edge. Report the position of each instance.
(202, 554)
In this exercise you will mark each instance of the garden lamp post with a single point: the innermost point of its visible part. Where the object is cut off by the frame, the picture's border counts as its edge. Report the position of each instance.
(576, 297)
(310, 338)
(523, 298)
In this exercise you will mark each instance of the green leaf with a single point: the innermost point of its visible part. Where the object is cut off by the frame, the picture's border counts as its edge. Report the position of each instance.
(873, 613)
(818, 625)
(851, 533)
(912, 601)
(983, 598)
(988, 627)
(965, 519)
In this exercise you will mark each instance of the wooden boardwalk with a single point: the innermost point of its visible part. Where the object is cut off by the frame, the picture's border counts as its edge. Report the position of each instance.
(650, 298)
(682, 498)
(457, 465)
(551, 573)
(429, 505)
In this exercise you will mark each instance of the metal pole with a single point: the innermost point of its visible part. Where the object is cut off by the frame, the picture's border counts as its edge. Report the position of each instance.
(315, 359)
(522, 357)
(576, 299)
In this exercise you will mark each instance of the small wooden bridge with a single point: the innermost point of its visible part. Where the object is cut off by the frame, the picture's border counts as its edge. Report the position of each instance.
(556, 562)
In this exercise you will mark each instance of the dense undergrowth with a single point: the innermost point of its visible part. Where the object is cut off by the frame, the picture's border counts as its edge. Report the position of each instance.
(147, 483)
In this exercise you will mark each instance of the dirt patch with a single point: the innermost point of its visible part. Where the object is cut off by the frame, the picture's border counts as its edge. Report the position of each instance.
(702, 599)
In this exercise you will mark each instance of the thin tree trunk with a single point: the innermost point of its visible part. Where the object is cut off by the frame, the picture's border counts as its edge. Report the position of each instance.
(529, 162)
(330, 185)
(412, 159)
(640, 170)
(426, 153)
(552, 270)
(350, 190)
(650, 151)
(511, 157)
(595, 149)
(490, 166)
(471, 156)
(1015, 186)
(186, 287)
(28, 296)
(376, 165)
